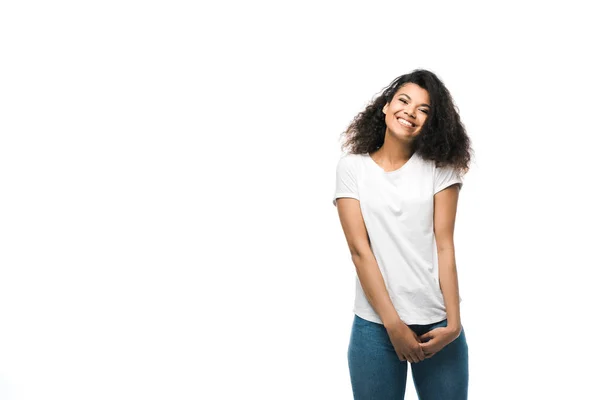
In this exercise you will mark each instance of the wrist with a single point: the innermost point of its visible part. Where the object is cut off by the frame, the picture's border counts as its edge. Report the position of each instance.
(394, 325)
(455, 328)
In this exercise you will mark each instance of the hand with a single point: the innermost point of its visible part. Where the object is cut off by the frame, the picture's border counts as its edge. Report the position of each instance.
(436, 339)
(406, 343)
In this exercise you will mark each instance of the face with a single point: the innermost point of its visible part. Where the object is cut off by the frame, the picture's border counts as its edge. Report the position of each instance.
(406, 113)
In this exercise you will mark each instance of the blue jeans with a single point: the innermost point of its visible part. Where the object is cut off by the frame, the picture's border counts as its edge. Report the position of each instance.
(377, 373)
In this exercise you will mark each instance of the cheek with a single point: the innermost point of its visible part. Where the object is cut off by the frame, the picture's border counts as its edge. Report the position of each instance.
(389, 119)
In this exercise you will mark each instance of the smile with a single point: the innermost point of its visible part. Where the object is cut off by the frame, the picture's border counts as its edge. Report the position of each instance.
(406, 123)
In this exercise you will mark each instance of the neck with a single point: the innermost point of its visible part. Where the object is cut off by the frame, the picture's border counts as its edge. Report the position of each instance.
(394, 153)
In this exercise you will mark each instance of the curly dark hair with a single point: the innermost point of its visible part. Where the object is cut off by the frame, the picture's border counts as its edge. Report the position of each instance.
(442, 139)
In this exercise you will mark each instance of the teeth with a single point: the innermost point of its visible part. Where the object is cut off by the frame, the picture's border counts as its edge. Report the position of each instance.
(404, 122)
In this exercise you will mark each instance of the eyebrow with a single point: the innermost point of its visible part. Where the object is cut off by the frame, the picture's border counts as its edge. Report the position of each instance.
(424, 104)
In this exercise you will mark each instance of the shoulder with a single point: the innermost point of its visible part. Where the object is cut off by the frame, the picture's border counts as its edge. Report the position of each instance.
(352, 156)
(350, 160)
(431, 165)
(424, 161)
(423, 165)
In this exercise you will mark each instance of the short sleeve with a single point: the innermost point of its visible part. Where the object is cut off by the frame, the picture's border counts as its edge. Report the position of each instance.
(444, 177)
(345, 179)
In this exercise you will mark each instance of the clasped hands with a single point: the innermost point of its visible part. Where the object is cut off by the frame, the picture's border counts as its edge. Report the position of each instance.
(413, 348)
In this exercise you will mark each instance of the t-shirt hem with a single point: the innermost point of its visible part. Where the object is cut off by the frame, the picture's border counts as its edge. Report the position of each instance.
(408, 321)
(452, 182)
(351, 195)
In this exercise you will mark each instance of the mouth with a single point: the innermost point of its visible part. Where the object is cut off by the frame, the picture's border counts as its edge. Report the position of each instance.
(406, 123)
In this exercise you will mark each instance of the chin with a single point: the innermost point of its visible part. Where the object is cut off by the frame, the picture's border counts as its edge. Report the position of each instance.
(407, 133)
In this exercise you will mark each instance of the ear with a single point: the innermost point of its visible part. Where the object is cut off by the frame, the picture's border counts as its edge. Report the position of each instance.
(385, 108)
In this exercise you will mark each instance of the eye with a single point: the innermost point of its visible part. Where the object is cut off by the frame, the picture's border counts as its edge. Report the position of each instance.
(425, 111)
(402, 100)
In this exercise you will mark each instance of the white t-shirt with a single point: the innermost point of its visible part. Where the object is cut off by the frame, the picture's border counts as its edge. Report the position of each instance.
(397, 209)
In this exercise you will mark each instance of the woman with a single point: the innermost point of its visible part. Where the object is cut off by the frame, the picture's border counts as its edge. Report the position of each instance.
(396, 195)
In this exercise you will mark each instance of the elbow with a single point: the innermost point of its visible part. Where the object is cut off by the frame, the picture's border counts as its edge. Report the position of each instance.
(445, 244)
(445, 249)
(358, 252)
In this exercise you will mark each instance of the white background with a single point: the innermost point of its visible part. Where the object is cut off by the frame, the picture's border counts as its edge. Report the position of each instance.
(167, 172)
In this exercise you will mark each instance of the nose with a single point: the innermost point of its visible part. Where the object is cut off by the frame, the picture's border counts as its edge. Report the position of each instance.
(410, 113)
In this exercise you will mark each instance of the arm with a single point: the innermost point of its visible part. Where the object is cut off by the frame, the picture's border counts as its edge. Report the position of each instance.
(364, 260)
(445, 205)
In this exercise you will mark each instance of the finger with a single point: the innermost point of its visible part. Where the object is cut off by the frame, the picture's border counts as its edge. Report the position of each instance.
(429, 335)
(432, 342)
(417, 338)
(418, 355)
(434, 332)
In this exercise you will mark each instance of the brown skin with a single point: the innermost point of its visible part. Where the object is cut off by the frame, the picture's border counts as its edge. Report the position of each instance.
(444, 216)
(410, 103)
(442, 138)
(404, 340)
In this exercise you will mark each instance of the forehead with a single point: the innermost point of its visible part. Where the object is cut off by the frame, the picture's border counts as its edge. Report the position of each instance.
(414, 91)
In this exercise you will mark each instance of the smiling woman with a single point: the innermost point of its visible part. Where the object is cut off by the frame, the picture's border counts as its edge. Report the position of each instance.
(408, 109)
(397, 194)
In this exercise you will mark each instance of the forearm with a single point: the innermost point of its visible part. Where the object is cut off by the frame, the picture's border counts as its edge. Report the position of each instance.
(449, 286)
(375, 290)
